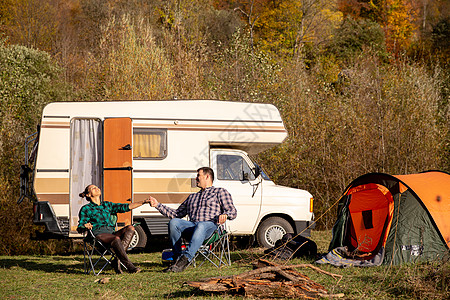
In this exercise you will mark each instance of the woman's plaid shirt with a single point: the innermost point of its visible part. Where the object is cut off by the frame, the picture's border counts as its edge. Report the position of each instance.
(100, 215)
(205, 205)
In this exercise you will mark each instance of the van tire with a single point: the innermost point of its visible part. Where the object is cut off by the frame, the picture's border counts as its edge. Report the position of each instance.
(271, 230)
(139, 239)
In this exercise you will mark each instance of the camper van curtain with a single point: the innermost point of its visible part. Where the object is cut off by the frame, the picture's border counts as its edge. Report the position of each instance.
(147, 145)
(86, 162)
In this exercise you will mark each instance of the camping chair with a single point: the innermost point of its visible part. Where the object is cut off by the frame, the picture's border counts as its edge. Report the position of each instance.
(215, 249)
(93, 247)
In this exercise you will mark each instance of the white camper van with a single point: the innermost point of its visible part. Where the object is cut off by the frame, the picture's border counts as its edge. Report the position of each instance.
(132, 149)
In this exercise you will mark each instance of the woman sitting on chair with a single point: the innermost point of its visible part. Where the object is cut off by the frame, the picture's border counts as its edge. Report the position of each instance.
(96, 216)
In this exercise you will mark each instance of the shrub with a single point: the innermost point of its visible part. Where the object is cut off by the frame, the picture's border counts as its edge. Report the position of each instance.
(28, 80)
(353, 36)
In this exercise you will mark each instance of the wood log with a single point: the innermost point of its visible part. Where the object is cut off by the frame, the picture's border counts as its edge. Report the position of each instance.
(264, 262)
(271, 263)
(262, 270)
(270, 291)
(270, 281)
(210, 287)
(278, 291)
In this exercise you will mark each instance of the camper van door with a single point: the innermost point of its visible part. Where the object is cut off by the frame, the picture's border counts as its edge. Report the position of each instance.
(117, 164)
(233, 171)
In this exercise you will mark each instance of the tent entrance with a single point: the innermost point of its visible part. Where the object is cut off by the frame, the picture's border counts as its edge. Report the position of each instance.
(371, 208)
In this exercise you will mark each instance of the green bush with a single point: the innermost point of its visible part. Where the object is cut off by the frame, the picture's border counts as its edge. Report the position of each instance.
(353, 36)
(28, 80)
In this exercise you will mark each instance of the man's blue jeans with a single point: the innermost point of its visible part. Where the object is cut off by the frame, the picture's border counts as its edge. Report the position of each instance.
(194, 232)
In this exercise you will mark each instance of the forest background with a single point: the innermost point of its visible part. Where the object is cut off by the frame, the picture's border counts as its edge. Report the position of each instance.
(362, 86)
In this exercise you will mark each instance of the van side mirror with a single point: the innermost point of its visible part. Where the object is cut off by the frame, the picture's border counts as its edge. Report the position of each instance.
(257, 171)
(245, 176)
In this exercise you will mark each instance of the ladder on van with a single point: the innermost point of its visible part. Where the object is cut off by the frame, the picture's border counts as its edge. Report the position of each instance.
(27, 169)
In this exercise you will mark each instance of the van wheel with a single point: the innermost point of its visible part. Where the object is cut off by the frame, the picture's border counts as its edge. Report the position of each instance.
(139, 239)
(271, 230)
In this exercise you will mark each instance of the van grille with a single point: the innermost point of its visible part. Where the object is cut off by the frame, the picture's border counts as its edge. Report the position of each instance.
(157, 225)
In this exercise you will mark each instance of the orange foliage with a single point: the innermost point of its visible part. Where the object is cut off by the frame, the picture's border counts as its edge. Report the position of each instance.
(398, 19)
(353, 8)
(399, 24)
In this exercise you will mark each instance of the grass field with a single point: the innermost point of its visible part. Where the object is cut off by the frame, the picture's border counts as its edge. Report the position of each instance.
(62, 277)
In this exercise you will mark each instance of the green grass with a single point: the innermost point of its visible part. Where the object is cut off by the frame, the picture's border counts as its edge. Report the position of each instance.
(62, 277)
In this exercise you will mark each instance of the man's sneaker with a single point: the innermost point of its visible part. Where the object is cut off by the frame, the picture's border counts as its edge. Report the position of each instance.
(180, 265)
(168, 269)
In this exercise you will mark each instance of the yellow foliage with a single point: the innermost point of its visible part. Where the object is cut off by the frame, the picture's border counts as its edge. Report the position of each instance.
(399, 24)
(134, 67)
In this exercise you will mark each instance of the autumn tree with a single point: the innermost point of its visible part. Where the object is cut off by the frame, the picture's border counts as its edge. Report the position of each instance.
(241, 73)
(398, 22)
(357, 9)
(284, 27)
(354, 36)
(315, 23)
(396, 17)
(251, 11)
(130, 65)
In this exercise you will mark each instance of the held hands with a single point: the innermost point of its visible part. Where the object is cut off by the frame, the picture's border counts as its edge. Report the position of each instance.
(222, 218)
(152, 201)
(88, 226)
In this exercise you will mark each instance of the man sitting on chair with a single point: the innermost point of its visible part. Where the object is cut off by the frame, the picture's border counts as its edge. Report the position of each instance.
(206, 209)
(96, 216)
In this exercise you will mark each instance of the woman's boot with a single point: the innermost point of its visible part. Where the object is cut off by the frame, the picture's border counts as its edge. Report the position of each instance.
(123, 257)
(127, 237)
(116, 265)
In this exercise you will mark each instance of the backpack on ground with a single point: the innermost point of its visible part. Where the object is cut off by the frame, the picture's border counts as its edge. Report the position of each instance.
(288, 247)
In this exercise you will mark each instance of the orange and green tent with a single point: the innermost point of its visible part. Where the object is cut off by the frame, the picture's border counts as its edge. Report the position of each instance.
(405, 216)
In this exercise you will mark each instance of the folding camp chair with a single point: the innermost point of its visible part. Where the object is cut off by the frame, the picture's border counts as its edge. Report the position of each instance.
(215, 249)
(94, 247)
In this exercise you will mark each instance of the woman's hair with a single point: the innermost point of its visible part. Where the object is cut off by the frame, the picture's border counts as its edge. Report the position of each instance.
(85, 193)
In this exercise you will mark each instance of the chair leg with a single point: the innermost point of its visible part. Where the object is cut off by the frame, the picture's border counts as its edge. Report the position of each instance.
(226, 251)
(217, 251)
(85, 265)
(90, 263)
(101, 257)
(206, 253)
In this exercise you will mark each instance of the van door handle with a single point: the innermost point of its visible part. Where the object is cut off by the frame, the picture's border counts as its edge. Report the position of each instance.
(126, 147)
(118, 169)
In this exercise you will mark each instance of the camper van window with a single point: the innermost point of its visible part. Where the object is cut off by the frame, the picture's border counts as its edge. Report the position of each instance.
(149, 143)
(233, 167)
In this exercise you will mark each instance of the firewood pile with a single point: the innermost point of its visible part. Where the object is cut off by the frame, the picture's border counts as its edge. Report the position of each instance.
(268, 280)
